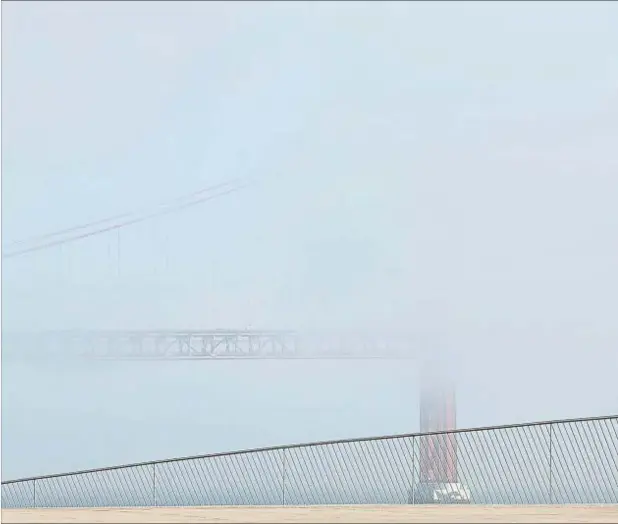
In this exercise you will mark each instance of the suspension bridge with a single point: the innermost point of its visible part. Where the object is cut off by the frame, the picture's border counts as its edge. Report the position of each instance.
(437, 459)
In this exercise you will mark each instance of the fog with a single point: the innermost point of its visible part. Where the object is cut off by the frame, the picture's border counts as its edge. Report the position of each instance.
(442, 170)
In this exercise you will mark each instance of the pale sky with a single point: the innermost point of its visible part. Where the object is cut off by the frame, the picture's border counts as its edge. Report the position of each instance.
(461, 154)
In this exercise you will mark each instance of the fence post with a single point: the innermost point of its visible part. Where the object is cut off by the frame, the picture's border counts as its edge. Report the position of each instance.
(283, 478)
(34, 493)
(551, 438)
(413, 487)
(154, 484)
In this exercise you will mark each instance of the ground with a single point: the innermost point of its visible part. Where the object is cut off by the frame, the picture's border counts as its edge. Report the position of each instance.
(408, 514)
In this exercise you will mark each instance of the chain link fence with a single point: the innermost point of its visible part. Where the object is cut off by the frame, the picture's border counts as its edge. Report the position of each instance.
(558, 462)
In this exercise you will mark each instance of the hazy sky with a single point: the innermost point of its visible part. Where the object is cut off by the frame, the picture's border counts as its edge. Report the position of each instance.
(456, 153)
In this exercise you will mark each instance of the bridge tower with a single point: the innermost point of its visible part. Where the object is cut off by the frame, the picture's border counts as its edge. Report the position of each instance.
(437, 368)
(438, 453)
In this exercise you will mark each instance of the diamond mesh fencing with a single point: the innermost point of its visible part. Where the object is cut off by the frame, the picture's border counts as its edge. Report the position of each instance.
(558, 462)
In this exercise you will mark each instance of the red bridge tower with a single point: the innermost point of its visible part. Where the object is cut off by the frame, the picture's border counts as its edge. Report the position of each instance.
(438, 453)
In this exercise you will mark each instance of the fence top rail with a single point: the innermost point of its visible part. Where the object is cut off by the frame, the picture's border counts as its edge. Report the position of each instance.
(314, 444)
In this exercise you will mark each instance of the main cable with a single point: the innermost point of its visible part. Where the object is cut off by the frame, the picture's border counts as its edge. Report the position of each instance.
(114, 218)
(121, 225)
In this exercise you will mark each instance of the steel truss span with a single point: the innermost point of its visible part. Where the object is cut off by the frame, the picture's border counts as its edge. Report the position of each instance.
(218, 344)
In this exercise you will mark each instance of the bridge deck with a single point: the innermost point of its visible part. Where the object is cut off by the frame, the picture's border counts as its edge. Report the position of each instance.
(206, 344)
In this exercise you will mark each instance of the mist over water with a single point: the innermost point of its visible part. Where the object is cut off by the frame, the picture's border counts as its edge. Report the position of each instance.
(446, 173)
(117, 412)
(79, 416)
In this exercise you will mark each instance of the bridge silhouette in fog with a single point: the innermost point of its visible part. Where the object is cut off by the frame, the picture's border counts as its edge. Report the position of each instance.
(210, 344)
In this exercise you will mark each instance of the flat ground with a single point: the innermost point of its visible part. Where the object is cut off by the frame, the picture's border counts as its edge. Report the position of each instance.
(346, 514)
